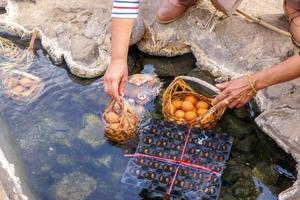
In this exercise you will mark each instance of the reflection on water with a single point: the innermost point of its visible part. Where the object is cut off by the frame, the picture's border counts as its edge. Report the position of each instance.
(66, 156)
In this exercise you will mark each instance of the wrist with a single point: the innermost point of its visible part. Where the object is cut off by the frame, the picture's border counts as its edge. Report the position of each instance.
(259, 81)
(119, 62)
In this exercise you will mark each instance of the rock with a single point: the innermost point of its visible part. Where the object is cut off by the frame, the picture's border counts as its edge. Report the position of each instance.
(244, 189)
(235, 127)
(265, 173)
(230, 176)
(241, 113)
(104, 161)
(3, 3)
(75, 186)
(3, 195)
(248, 144)
(203, 75)
(176, 66)
(64, 159)
(92, 133)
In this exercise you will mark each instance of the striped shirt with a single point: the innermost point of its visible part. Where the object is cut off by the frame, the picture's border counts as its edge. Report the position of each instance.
(125, 8)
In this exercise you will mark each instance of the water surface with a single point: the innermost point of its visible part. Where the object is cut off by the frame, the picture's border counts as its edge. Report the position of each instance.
(65, 155)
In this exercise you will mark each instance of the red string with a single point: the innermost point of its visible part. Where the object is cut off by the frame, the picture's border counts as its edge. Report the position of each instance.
(181, 162)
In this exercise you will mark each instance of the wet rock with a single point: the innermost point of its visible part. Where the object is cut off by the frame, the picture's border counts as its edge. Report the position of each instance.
(230, 176)
(92, 133)
(104, 161)
(176, 66)
(248, 144)
(244, 189)
(235, 127)
(64, 159)
(75, 186)
(227, 197)
(203, 75)
(241, 113)
(265, 173)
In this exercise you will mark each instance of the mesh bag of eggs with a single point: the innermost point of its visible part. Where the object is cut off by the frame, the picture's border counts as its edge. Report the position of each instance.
(122, 120)
(182, 105)
(22, 87)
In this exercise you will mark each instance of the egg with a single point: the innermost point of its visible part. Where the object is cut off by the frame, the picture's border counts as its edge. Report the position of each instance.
(191, 99)
(25, 81)
(18, 89)
(114, 126)
(112, 117)
(201, 111)
(190, 115)
(177, 104)
(202, 105)
(180, 114)
(187, 106)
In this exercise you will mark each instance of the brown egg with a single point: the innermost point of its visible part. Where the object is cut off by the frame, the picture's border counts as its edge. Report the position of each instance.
(191, 99)
(18, 89)
(180, 114)
(190, 115)
(202, 105)
(114, 126)
(187, 106)
(112, 117)
(25, 81)
(177, 104)
(201, 111)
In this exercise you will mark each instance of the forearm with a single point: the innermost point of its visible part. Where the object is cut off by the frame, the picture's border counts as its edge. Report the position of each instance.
(285, 71)
(121, 32)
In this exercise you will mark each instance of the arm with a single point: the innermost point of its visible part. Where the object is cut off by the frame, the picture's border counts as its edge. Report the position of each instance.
(285, 71)
(238, 92)
(123, 15)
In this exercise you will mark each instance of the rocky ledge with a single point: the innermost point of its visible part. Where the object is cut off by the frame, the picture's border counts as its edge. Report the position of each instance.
(78, 32)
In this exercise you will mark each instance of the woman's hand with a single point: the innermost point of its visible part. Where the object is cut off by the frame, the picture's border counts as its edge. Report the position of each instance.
(115, 79)
(235, 93)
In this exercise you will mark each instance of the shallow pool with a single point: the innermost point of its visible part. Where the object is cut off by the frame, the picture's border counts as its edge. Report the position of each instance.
(66, 157)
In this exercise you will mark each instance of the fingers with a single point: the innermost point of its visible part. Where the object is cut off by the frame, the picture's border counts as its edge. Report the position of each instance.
(111, 87)
(219, 98)
(114, 89)
(233, 104)
(122, 86)
(222, 86)
(221, 105)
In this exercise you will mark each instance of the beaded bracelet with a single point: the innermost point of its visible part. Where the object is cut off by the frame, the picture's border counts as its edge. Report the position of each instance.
(251, 84)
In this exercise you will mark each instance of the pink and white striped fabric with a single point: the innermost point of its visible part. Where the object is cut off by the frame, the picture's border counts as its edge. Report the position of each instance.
(125, 8)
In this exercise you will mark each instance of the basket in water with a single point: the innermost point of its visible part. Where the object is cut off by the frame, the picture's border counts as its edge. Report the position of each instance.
(121, 121)
(181, 104)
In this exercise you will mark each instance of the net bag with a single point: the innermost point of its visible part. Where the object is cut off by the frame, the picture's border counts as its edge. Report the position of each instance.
(22, 87)
(121, 121)
(183, 105)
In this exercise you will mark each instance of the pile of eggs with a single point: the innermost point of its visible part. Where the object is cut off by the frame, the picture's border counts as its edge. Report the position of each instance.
(188, 108)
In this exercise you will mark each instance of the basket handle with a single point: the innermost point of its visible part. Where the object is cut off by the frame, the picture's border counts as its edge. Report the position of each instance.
(199, 81)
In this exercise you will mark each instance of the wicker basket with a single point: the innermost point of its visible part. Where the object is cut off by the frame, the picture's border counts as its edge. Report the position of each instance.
(178, 90)
(121, 121)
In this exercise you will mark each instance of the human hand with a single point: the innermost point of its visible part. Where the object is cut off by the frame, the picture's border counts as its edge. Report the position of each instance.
(115, 79)
(235, 93)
